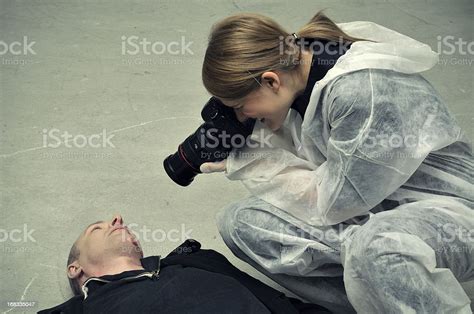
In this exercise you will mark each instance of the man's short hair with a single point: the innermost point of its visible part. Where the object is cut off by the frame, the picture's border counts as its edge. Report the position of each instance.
(74, 256)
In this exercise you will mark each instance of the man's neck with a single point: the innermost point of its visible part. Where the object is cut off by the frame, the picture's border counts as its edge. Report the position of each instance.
(116, 266)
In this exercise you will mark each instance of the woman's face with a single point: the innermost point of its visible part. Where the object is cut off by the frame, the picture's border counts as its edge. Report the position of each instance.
(271, 101)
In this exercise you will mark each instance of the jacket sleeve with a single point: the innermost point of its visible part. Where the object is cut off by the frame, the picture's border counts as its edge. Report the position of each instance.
(383, 124)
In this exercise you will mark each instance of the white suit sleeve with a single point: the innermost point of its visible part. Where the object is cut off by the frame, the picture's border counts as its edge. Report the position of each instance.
(374, 130)
(382, 126)
(275, 174)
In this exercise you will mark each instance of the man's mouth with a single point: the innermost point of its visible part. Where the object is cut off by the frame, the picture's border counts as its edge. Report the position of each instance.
(118, 228)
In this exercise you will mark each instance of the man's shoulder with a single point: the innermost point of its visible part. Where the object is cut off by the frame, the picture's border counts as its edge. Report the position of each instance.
(73, 305)
(191, 253)
(187, 247)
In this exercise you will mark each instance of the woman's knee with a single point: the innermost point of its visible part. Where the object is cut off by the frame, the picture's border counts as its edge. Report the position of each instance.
(391, 239)
(235, 219)
(378, 242)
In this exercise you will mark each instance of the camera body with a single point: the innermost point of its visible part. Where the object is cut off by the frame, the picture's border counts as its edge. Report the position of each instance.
(212, 141)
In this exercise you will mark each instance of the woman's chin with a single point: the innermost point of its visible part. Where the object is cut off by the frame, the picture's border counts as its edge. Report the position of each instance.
(274, 126)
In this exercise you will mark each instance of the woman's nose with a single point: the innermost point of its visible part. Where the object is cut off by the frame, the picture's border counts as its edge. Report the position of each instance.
(117, 220)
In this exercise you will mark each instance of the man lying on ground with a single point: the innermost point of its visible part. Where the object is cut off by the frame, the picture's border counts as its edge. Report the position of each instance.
(108, 273)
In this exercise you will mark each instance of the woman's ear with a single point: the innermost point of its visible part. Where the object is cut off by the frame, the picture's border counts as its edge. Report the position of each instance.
(74, 270)
(271, 80)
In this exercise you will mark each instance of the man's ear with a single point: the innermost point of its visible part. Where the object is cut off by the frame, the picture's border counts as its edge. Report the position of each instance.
(271, 80)
(74, 270)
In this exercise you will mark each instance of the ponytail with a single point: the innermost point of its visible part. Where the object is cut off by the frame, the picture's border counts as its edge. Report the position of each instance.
(322, 27)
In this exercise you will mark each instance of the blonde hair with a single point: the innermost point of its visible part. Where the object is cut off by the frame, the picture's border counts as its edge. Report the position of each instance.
(243, 46)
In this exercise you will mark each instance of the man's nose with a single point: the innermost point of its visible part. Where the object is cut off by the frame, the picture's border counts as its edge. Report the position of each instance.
(117, 220)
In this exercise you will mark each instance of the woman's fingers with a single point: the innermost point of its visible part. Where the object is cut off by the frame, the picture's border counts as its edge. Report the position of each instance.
(209, 167)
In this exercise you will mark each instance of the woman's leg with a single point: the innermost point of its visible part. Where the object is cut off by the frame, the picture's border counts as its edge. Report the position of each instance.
(411, 260)
(300, 257)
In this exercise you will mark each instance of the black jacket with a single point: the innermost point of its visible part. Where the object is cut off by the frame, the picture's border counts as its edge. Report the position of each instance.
(178, 284)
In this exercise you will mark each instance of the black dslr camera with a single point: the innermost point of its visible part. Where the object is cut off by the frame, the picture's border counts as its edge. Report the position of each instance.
(212, 141)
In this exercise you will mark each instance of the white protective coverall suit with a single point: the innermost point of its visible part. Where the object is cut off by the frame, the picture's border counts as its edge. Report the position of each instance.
(366, 203)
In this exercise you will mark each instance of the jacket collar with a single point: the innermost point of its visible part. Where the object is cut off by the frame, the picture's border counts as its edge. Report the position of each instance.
(151, 265)
(151, 269)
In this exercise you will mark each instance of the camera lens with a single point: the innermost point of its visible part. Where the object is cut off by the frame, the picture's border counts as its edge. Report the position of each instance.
(204, 145)
(179, 169)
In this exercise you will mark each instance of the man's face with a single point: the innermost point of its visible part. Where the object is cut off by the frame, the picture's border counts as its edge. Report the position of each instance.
(104, 240)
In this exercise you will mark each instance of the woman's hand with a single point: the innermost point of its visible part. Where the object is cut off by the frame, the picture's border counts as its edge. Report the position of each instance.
(210, 167)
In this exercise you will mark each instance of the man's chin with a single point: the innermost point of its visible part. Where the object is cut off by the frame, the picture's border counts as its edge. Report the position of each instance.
(131, 249)
(129, 246)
